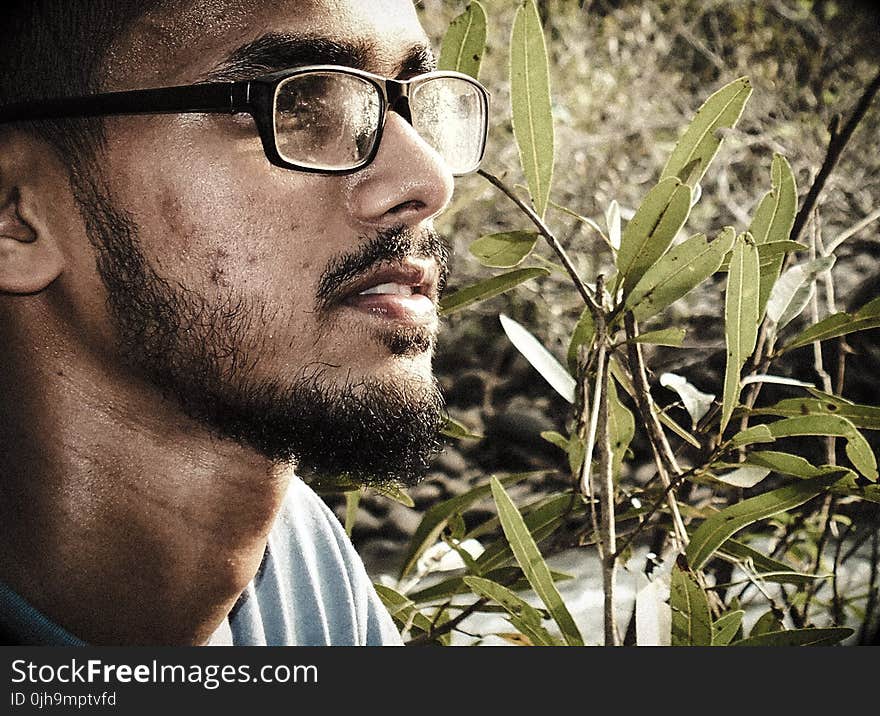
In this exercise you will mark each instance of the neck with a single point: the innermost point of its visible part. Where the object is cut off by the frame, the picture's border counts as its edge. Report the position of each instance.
(122, 520)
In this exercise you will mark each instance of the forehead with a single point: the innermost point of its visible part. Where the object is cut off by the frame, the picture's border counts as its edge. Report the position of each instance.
(180, 42)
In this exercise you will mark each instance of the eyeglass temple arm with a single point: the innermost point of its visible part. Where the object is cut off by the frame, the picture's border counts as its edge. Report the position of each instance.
(228, 97)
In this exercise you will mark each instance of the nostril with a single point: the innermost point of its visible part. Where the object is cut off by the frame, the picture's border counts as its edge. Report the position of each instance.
(406, 182)
(406, 207)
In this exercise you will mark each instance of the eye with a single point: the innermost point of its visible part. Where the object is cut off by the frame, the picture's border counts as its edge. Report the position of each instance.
(300, 111)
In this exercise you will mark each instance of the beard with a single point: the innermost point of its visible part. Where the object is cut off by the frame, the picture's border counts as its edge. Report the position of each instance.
(201, 353)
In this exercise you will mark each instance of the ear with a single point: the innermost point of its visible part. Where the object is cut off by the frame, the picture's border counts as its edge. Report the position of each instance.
(30, 257)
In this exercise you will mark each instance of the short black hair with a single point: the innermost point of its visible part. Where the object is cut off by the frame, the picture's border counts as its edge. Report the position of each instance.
(57, 48)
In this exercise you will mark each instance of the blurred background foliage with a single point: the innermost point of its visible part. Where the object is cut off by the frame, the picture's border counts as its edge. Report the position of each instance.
(626, 77)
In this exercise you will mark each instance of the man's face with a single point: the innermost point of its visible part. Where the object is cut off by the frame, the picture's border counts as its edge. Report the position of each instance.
(237, 286)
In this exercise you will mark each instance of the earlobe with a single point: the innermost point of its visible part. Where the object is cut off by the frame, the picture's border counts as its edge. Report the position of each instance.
(29, 259)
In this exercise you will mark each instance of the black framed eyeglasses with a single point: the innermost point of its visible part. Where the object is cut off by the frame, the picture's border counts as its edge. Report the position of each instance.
(320, 118)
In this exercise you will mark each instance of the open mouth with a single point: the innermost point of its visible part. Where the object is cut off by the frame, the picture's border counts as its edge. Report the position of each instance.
(406, 291)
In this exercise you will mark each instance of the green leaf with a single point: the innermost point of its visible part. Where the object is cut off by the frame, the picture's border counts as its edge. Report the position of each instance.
(464, 42)
(700, 142)
(766, 623)
(793, 291)
(621, 428)
(772, 223)
(870, 310)
(673, 337)
(862, 416)
(787, 464)
(574, 447)
(691, 619)
(772, 250)
(443, 590)
(532, 563)
(488, 289)
(740, 319)
(678, 272)
(577, 453)
(542, 518)
(393, 492)
(768, 569)
(504, 250)
(651, 230)
(796, 466)
(352, 500)
(769, 253)
(541, 359)
(557, 439)
(438, 515)
(582, 335)
(530, 102)
(712, 533)
(798, 637)
(839, 324)
(454, 429)
(725, 627)
(858, 450)
(402, 609)
(523, 616)
(754, 434)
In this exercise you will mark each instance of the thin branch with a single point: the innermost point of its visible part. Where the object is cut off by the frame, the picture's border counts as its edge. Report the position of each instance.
(587, 425)
(646, 517)
(609, 537)
(826, 514)
(852, 231)
(836, 601)
(447, 627)
(663, 455)
(599, 339)
(544, 230)
(832, 156)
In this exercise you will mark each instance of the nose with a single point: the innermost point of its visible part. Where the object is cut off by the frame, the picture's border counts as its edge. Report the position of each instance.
(407, 182)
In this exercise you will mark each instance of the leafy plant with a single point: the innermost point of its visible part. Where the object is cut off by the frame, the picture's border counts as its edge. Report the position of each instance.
(720, 487)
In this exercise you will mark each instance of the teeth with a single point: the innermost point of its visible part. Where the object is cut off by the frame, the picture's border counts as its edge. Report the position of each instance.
(392, 289)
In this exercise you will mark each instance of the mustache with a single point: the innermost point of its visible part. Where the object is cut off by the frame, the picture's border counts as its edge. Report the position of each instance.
(390, 245)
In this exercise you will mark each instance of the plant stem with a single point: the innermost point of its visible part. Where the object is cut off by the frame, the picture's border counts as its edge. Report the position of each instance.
(663, 455)
(551, 239)
(609, 536)
(587, 424)
(600, 340)
(826, 514)
(835, 149)
(763, 355)
(446, 627)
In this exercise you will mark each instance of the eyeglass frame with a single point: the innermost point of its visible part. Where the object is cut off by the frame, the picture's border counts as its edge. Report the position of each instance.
(255, 97)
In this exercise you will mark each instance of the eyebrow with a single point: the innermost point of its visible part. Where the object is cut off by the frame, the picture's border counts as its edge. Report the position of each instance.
(278, 51)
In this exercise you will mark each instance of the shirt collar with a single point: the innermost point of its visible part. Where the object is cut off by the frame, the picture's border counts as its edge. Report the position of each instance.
(26, 625)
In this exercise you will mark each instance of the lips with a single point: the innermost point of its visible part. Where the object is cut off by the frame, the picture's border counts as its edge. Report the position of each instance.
(404, 291)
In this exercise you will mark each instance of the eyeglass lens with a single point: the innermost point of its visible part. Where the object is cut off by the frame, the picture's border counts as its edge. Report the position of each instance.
(449, 114)
(326, 120)
(330, 120)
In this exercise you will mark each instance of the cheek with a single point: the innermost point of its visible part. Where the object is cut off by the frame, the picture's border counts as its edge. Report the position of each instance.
(213, 211)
